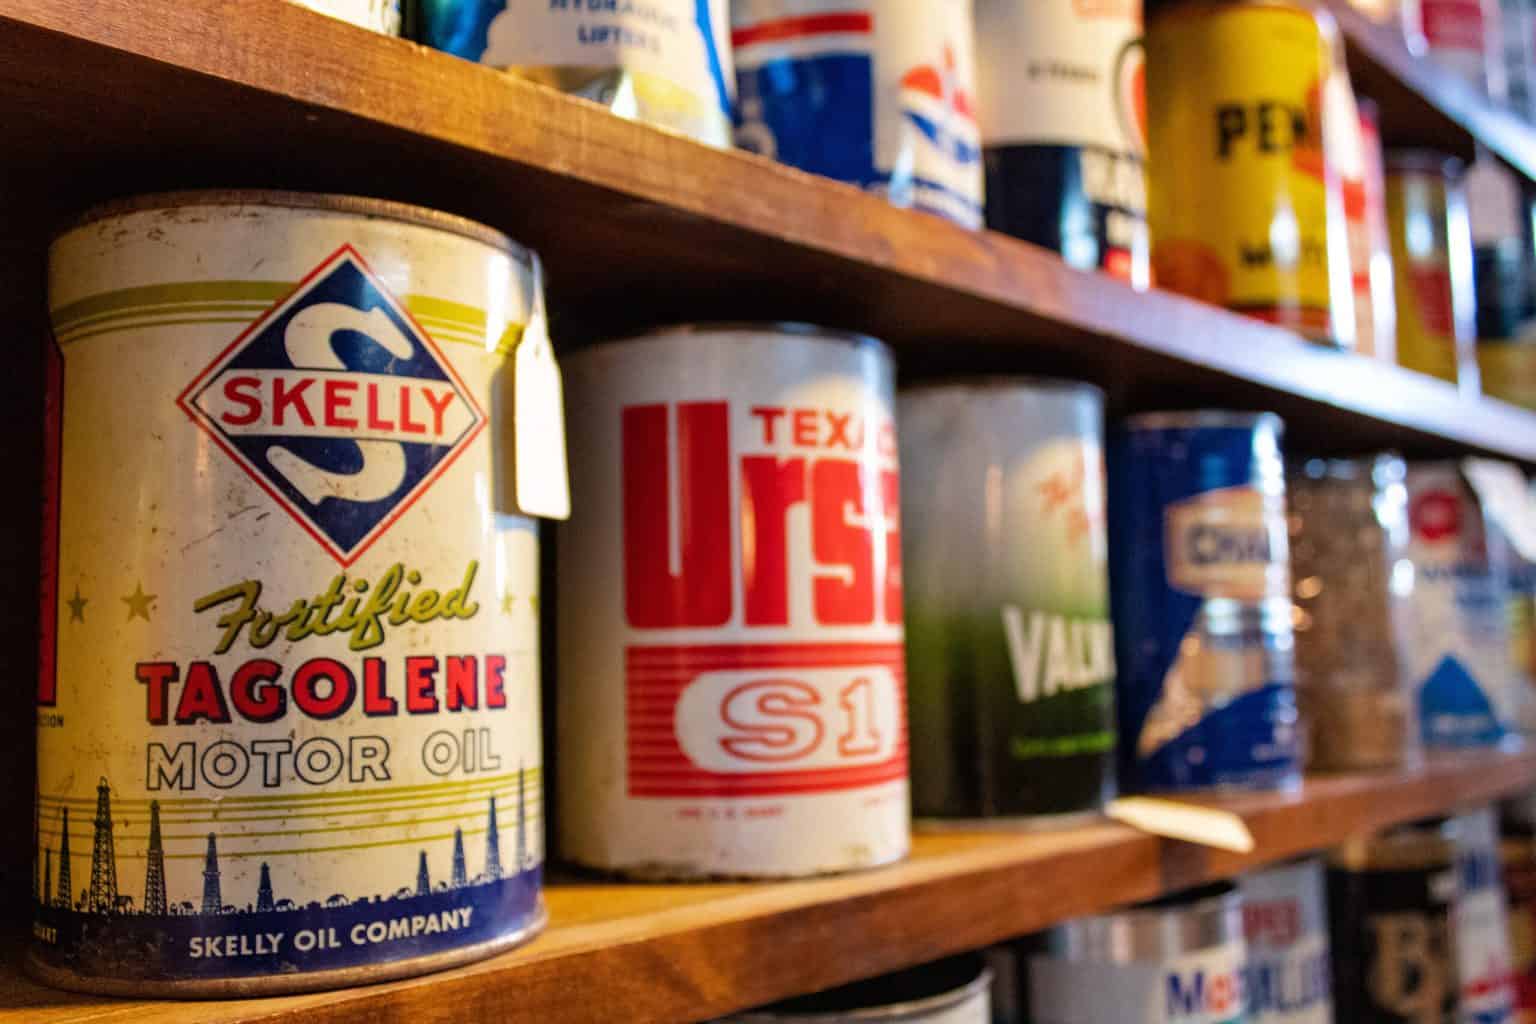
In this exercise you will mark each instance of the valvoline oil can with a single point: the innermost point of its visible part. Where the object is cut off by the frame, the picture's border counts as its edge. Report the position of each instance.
(1200, 584)
(877, 94)
(1063, 117)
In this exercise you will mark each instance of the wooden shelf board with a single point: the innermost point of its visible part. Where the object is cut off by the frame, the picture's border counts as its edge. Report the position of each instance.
(638, 227)
(689, 952)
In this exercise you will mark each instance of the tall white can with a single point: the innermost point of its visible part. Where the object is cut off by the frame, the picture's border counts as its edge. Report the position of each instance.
(1285, 923)
(288, 726)
(731, 675)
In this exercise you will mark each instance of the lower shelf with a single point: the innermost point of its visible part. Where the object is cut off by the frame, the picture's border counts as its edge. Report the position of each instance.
(642, 953)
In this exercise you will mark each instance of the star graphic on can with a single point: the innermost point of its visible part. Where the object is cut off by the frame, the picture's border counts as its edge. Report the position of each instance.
(77, 606)
(139, 602)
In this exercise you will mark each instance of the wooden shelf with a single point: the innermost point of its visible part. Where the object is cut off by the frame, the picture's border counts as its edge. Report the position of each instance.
(1422, 104)
(105, 97)
(645, 953)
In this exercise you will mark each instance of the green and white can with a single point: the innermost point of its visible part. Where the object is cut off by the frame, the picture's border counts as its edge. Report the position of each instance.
(1009, 650)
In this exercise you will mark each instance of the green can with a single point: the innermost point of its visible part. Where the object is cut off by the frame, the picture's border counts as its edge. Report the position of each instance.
(1010, 656)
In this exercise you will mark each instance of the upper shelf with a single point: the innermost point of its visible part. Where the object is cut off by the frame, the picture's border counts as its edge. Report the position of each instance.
(669, 953)
(106, 97)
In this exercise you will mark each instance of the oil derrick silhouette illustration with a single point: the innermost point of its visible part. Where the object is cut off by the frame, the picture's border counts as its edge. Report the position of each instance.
(103, 898)
(264, 889)
(493, 847)
(423, 880)
(65, 899)
(460, 873)
(154, 871)
(213, 898)
(522, 824)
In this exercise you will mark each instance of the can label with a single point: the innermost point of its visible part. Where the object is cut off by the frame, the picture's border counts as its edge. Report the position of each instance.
(1009, 645)
(1392, 944)
(1457, 33)
(677, 52)
(1200, 987)
(1062, 88)
(1286, 927)
(1431, 265)
(876, 94)
(1460, 649)
(1202, 610)
(379, 15)
(740, 572)
(1481, 922)
(1240, 191)
(288, 714)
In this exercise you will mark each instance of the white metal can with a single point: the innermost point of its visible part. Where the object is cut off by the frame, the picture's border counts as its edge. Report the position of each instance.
(1177, 961)
(1285, 923)
(953, 991)
(380, 15)
(288, 727)
(731, 692)
(1480, 920)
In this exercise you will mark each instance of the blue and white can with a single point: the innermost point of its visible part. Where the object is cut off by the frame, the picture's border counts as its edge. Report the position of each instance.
(665, 62)
(1200, 581)
(876, 94)
(1285, 923)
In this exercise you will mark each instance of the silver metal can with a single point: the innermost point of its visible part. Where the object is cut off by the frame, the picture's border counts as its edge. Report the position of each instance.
(288, 727)
(1177, 960)
(1285, 924)
(953, 991)
(382, 16)
(731, 665)
(1009, 650)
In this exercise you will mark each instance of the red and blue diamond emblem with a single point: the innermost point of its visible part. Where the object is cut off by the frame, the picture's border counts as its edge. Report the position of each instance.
(338, 404)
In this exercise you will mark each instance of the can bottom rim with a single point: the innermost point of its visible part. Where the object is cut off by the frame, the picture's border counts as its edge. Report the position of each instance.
(283, 984)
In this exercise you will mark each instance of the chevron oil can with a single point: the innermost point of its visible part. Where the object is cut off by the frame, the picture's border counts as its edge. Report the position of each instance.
(730, 607)
(288, 727)
(1200, 574)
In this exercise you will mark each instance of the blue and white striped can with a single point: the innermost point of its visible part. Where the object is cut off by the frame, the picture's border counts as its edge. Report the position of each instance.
(1200, 581)
(880, 95)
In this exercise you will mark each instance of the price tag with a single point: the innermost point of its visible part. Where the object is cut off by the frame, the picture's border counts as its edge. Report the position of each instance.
(541, 484)
(1189, 822)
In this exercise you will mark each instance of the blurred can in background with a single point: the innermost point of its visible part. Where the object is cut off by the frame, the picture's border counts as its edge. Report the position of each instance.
(877, 94)
(666, 62)
(1432, 266)
(1175, 960)
(1063, 123)
(1352, 583)
(1010, 656)
(952, 991)
(1200, 578)
(1517, 852)
(1285, 924)
(1480, 922)
(1390, 900)
(1244, 202)
(1468, 692)
(1370, 244)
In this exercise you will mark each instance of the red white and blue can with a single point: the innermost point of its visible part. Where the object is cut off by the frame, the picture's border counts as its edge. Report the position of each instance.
(1200, 585)
(877, 94)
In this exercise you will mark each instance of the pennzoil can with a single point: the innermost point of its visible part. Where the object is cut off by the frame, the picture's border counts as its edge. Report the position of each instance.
(1245, 203)
(288, 727)
(731, 668)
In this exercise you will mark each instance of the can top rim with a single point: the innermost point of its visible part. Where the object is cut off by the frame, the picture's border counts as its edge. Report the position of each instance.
(1202, 418)
(1432, 161)
(362, 205)
(1003, 381)
(792, 327)
(890, 1013)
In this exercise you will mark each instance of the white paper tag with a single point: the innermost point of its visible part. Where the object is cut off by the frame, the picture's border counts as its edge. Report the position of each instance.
(1502, 491)
(541, 483)
(1189, 822)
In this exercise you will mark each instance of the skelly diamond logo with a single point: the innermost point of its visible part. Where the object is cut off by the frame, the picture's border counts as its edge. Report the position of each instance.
(338, 405)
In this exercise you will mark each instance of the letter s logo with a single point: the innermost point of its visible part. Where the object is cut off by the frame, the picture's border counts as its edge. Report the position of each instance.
(309, 342)
(772, 720)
